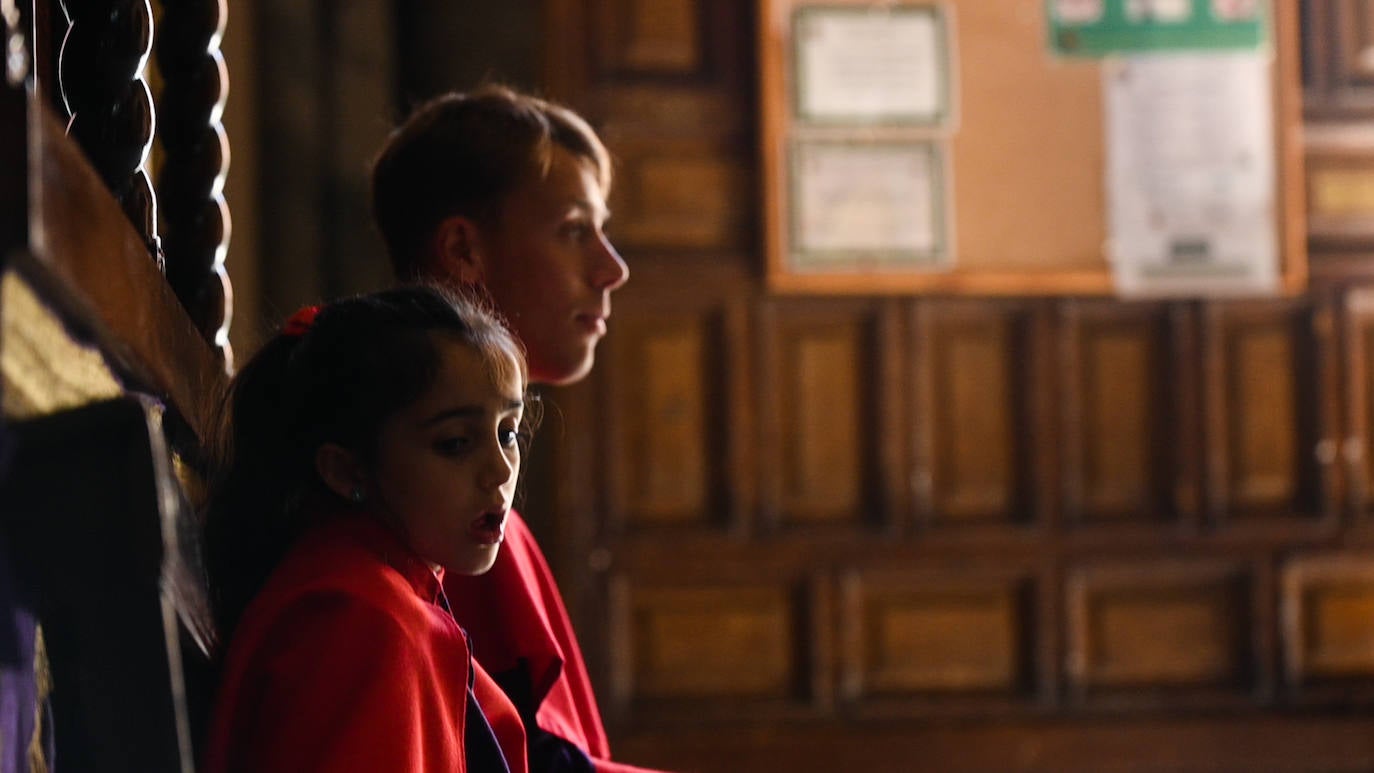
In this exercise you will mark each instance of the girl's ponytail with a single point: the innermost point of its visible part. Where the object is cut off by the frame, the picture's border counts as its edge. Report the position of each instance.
(249, 520)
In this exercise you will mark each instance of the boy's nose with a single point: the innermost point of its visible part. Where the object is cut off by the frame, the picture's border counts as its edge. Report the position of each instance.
(611, 271)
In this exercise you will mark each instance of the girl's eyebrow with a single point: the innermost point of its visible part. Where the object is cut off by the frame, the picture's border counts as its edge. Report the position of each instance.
(461, 412)
(469, 411)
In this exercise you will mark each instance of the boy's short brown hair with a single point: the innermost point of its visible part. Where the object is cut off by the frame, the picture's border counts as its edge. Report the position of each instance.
(461, 154)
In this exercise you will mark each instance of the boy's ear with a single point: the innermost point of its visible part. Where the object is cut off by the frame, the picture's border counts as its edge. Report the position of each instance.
(456, 252)
(340, 471)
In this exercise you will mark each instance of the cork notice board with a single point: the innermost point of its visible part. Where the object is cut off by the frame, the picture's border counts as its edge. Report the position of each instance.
(1002, 159)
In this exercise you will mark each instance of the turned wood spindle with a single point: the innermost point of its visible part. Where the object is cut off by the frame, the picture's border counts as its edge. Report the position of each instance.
(196, 222)
(100, 75)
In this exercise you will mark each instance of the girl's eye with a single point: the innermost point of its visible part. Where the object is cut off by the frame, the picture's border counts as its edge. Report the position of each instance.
(452, 446)
(576, 230)
(508, 437)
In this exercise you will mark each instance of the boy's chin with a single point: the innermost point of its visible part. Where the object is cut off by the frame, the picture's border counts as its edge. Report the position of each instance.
(569, 370)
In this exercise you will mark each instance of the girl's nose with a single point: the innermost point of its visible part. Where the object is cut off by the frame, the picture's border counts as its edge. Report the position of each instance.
(499, 469)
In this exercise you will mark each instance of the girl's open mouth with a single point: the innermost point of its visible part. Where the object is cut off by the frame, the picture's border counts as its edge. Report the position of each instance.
(488, 528)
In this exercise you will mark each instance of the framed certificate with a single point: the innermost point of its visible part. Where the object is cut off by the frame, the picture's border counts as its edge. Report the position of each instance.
(888, 64)
(867, 205)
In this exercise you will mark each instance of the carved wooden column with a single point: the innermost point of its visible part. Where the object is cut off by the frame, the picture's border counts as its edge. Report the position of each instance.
(100, 75)
(191, 179)
(16, 48)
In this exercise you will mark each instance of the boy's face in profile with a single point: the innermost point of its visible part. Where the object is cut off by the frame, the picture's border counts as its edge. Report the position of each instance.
(550, 269)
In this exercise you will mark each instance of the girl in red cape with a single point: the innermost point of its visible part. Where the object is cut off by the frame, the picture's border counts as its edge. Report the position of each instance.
(371, 447)
(505, 194)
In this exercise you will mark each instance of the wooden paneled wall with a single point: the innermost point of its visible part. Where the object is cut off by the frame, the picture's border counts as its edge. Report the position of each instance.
(839, 435)
(810, 520)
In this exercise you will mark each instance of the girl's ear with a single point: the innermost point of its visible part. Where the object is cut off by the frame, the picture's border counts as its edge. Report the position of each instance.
(456, 252)
(341, 472)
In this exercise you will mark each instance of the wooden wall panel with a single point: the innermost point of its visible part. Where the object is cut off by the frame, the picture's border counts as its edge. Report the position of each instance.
(667, 122)
(909, 634)
(1340, 196)
(667, 446)
(1338, 97)
(744, 641)
(1118, 411)
(1328, 618)
(1265, 383)
(976, 388)
(676, 445)
(650, 37)
(1262, 445)
(1253, 742)
(683, 199)
(822, 459)
(1117, 421)
(1159, 624)
(1355, 27)
(823, 391)
(1357, 448)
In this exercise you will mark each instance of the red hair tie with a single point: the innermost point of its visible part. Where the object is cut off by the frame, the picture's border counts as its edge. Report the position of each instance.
(300, 322)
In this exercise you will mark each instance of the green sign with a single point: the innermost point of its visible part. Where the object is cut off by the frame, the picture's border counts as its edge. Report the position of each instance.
(1093, 28)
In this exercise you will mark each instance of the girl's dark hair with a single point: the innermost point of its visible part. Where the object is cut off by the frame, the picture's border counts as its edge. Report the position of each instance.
(361, 360)
(461, 154)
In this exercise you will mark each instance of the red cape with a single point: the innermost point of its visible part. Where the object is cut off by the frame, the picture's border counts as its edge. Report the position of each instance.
(514, 613)
(344, 662)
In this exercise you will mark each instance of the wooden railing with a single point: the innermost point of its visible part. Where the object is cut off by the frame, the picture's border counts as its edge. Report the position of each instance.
(101, 77)
(102, 83)
(80, 230)
(190, 183)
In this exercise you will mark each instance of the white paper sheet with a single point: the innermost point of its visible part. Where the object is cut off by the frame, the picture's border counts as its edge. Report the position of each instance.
(1191, 174)
(1078, 11)
(1159, 10)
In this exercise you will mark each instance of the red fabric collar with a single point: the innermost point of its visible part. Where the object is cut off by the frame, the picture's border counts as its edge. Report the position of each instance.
(425, 580)
(517, 619)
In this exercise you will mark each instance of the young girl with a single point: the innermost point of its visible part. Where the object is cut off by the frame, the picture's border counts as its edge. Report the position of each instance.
(371, 446)
(505, 193)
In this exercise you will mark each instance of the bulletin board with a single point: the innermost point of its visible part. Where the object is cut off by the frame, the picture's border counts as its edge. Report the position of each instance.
(1003, 158)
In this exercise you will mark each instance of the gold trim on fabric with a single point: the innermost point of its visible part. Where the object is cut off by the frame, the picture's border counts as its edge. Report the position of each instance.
(42, 368)
(42, 676)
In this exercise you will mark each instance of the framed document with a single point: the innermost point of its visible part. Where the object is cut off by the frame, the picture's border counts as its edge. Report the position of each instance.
(888, 64)
(867, 205)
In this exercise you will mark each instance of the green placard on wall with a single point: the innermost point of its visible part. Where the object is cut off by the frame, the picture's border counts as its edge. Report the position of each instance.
(1093, 28)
